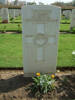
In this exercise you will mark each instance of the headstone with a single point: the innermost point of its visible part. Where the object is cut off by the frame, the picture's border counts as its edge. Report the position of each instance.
(67, 14)
(5, 15)
(12, 13)
(40, 38)
(72, 19)
(3, 2)
(9, 10)
(0, 12)
(17, 12)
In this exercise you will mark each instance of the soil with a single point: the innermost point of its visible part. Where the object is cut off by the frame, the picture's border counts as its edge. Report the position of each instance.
(13, 86)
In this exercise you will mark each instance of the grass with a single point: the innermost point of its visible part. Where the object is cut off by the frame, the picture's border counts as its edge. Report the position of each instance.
(14, 26)
(10, 26)
(66, 46)
(11, 50)
(17, 19)
(65, 21)
(65, 27)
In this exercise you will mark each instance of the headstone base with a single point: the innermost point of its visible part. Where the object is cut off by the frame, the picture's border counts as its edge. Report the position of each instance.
(34, 74)
(5, 21)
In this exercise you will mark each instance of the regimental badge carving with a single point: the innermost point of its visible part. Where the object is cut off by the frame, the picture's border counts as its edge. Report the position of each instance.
(40, 40)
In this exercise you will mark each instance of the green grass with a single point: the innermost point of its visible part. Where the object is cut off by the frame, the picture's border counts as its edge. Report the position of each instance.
(65, 21)
(17, 19)
(11, 50)
(10, 26)
(14, 26)
(64, 27)
(66, 46)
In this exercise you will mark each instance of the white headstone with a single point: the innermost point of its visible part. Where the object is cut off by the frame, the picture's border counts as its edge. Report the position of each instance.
(12, 13)
(17, 12)
(67, 14)
(9, 12)
(3, 1)
(0, 12)
(5, 15)
(72, 19)
(40, 37)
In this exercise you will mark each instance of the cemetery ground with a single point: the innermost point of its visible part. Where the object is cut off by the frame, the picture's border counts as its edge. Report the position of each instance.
(13, 84)
(15, 25)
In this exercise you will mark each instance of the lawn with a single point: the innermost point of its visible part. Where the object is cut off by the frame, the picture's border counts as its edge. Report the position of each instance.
(64, 27)
(65, 20)
(11, 50)
(14, 26)
(66, 46)
(10, 27)
(17, 19)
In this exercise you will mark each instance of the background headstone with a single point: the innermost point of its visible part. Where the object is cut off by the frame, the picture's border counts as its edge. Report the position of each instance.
(17, 13)
(67, 14)
(40, 37)
(72, 19)
(0, 12)
(5, 15)
(12, 13)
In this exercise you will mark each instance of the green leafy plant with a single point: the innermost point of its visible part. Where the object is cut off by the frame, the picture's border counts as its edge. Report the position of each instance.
(42, 84)
(12, 20)
(73, 30)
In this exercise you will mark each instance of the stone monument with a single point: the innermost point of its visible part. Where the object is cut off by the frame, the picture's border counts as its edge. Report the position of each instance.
(13, 13)
(40, 24)
(5, 15)
(67, 14)
(72, 19)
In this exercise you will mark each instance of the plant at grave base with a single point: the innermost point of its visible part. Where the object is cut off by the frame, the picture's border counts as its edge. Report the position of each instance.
(42, 84)
(19, 28)
(12, 20)
(73, 30)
